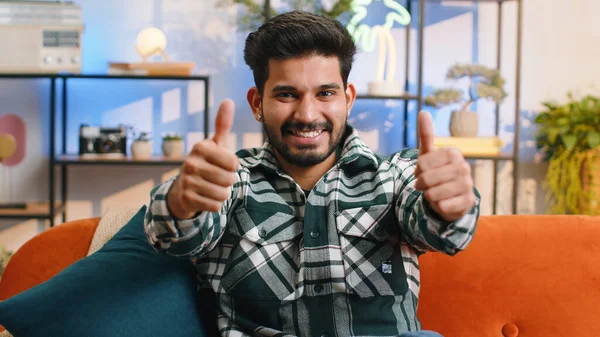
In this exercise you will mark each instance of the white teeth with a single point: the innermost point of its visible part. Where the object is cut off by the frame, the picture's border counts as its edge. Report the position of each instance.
(311, 134)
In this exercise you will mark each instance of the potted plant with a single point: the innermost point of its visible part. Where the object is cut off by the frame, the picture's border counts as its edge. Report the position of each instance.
(569, 136)
(254, 14)
(172, 145)
(141, 148)
(484, 83)
(5, 255)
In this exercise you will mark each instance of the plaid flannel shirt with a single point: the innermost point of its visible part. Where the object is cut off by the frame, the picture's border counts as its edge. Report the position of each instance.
(341, 261)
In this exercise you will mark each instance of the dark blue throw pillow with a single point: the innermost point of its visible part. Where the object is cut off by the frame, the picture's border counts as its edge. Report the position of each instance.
(124, 289)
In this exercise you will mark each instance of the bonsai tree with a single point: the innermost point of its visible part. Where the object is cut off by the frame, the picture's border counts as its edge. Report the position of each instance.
(484, 83)
(254, 14)
(569, 137)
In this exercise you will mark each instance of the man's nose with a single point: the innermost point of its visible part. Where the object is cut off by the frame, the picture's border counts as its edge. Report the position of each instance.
(306, 111)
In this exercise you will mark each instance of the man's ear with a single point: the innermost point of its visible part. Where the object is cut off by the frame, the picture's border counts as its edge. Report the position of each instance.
(350, 96)
(255, 100)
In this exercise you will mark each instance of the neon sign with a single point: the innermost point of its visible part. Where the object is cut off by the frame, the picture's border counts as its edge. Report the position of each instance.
(366, 37)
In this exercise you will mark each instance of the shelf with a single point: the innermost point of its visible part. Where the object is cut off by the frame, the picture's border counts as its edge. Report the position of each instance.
(34, 210)
(496, 1)
(153, 161)
(25, 76)
(402, 97)
(501, 156)
(101, 76)
(133, 77)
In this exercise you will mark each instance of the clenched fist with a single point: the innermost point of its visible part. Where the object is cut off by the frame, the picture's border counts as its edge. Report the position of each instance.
(443, 175)
(207, 173)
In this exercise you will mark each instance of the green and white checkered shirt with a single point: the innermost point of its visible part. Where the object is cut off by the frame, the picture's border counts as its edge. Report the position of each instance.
(341, 261)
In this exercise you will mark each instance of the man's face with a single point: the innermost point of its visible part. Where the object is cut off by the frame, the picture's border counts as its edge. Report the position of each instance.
(305, 107)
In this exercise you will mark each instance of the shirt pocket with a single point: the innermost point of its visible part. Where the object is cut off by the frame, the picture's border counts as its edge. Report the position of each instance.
(370, 251)
(264, 262)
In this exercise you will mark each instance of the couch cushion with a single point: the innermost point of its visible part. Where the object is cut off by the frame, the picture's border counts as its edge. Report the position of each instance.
(46, 254)
(110, 223)
(124, 289)
(525, 275)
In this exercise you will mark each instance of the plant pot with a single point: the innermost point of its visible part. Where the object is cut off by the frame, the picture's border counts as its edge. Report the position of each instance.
(173, 148)
(141, 149)
(386, 88)
(464, 124)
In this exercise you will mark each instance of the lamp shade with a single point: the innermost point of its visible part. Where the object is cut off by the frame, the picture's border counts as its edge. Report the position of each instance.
(13, 126)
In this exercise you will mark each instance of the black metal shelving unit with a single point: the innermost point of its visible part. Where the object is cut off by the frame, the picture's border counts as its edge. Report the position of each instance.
(514, 156)
(49, 209)
(53, 207)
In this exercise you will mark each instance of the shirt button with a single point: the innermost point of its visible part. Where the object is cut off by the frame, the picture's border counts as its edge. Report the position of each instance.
(314, 234)
(262, 233)
(318, 288)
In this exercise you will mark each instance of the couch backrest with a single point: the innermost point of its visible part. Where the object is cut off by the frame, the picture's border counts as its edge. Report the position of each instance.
(525, 275)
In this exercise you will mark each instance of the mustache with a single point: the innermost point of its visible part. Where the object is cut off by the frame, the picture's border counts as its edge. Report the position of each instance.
(304, 127)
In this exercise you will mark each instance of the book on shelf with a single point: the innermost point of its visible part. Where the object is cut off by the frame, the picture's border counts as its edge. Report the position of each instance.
(472, 146)
(151, 68)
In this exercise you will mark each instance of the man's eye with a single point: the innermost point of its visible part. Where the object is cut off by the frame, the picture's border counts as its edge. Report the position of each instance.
(285, 95)
(326, 93)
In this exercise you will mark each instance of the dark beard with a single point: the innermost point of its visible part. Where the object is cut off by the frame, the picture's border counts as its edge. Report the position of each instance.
(305, 157)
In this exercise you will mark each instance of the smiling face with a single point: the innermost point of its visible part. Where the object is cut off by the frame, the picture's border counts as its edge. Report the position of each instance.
(304, 108)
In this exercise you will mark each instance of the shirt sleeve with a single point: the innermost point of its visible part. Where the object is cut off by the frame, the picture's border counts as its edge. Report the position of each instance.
(422, 227)
(184, 238)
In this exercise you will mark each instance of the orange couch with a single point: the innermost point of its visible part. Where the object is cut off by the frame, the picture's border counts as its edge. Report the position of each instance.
(523, 275)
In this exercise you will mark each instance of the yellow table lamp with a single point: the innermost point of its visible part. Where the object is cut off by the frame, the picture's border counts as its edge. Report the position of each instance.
(8, 147)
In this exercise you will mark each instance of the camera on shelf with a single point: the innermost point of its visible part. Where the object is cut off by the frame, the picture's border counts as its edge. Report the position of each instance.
(103, 141)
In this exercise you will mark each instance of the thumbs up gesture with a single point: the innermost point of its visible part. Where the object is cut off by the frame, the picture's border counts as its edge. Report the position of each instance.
(207, 173)
(443, 175)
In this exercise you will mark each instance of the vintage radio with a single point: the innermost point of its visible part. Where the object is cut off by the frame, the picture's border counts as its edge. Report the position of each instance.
(102, 141)
(40, 37)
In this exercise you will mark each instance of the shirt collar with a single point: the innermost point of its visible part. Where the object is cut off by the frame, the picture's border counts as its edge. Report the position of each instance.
(353, 148)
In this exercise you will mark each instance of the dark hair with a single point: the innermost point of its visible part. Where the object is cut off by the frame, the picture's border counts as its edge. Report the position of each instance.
(295, 34)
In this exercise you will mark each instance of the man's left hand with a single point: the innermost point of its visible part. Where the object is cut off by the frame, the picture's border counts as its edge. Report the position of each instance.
(443, 175)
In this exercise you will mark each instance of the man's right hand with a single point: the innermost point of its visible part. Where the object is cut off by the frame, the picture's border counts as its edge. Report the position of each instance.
(207, 173)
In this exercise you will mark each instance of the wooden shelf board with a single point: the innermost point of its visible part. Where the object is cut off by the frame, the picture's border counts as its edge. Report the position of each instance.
(34, 210)
(500, 156)
(154, 160)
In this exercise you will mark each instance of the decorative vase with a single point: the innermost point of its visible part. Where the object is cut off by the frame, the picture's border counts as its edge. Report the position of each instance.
(141, 149)
(386, 88)
(464, 123)
(173, 148)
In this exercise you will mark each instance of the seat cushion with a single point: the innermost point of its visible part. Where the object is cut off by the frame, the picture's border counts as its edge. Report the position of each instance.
(124, 289)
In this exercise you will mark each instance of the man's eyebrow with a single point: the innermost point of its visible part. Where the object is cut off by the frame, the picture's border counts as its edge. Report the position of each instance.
(287, 88)
(329, 86)
(279, 88)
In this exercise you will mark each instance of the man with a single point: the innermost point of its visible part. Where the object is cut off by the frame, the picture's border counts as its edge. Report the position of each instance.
(312, 234)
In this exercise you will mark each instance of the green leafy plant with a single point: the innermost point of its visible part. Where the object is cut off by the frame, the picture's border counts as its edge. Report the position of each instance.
(5, 255)
(254, 14)
(484, 83)
(143, 137)
(171, 136)
(569, 136)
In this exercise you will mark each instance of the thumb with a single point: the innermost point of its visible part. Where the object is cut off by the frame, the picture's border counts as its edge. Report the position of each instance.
(426, 133)
(223, 122)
